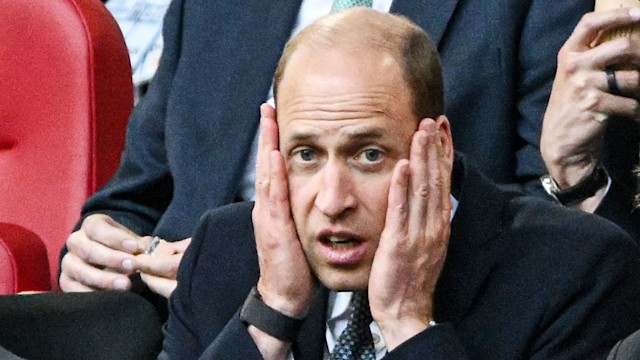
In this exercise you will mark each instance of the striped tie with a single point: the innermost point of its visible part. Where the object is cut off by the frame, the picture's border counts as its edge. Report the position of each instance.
(339, 5)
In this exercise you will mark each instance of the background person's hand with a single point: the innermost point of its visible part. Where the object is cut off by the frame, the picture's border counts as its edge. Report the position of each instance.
(582, 102)
(159, 268)
(100, 256)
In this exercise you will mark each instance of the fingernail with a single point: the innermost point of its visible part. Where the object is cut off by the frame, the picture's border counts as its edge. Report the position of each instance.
(130, 245)
(634, 12)
(120, 284)
(127, 264)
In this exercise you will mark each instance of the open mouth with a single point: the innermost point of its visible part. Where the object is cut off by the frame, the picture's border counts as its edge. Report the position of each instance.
(338, 241)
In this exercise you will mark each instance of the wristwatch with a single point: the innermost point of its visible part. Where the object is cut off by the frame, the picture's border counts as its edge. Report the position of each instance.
(585, 188)
(255, 312)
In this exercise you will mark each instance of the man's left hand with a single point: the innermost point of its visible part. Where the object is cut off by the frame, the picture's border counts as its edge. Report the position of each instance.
(413, 244)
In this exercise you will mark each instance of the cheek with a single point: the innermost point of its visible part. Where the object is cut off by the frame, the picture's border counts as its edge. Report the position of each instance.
(374, 195)
(301, 195)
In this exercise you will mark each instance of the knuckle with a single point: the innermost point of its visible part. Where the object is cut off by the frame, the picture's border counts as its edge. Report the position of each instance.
(588, 20)
(74, 240)
(423, 190)
(84, 254)
(262, 182)
(91, 226)
(435, 181)
(64, 283)
(590, 101)
(402, 209)
(572, 64)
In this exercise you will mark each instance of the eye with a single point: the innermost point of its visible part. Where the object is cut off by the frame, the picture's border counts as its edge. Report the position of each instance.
(305, 154)
(370, 155)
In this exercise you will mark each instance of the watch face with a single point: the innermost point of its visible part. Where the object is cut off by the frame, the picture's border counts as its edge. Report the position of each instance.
(550, 186)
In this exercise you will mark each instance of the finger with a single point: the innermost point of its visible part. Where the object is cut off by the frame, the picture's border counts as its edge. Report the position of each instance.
(163, 262)
(90, 276)
(419, 177)
(445, 162)
(145, 242)
(280, 209)
(267, 142)
(628, 82)
(97, 254)
(620, 50)
(397, 217)
(592, 24)
(618, 105)
(159, 285)
(105, 230)
(69, 285)
(181, 245)
(438, 192)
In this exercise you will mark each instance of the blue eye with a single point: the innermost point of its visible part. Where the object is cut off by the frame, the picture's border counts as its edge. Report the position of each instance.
(306, 154)
(372, 155)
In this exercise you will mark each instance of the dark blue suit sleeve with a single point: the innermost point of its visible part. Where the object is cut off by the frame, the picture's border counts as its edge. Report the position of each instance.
(547, 26)
(181, 340)
(617, 206)
(201, 308)
(141, 189)
(234, 342)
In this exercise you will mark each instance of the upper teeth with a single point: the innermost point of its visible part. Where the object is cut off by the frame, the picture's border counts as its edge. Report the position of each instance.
(335, 239)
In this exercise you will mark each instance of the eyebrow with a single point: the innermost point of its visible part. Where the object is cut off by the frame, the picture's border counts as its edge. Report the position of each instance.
(357, 134)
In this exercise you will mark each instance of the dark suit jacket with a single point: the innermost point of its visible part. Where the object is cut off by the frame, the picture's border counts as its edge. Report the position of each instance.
(617, 206)
(523, 279)
(189, 138)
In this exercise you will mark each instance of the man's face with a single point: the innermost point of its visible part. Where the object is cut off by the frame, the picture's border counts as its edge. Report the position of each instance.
(344, 122)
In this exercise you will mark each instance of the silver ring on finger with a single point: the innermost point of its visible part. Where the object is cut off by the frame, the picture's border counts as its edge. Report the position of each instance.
(152, 245)
(612, 81)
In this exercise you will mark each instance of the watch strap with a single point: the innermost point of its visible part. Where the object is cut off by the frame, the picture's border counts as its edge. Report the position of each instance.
(585, 188)
(255, 312)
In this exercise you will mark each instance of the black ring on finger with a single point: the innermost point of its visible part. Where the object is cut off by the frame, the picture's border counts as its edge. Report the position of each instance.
(612, 81)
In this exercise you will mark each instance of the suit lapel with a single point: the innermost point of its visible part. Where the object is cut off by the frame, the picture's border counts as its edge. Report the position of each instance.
(475, 244)
(431, 15)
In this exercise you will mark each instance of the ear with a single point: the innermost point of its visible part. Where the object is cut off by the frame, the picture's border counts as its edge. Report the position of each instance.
(444, 130)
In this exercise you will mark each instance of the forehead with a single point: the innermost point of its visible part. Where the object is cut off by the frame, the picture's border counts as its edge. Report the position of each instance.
(342, 88)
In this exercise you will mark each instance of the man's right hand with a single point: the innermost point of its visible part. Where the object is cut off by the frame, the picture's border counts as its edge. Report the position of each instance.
(100, 256)
(279, 249)
(286, 283)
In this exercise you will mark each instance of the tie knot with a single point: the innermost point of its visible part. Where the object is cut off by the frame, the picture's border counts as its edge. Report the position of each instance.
(339, 5)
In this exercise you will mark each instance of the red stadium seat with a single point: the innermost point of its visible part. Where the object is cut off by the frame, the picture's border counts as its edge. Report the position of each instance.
(65, 98)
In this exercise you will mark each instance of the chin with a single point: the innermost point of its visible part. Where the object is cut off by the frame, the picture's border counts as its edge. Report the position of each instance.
(344, 280)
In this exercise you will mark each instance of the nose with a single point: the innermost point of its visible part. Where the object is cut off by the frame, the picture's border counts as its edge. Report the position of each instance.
(335, 196)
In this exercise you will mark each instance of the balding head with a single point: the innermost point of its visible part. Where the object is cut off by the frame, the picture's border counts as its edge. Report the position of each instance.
(369, 32)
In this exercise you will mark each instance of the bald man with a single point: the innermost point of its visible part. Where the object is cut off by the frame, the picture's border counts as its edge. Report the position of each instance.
(363, 206)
